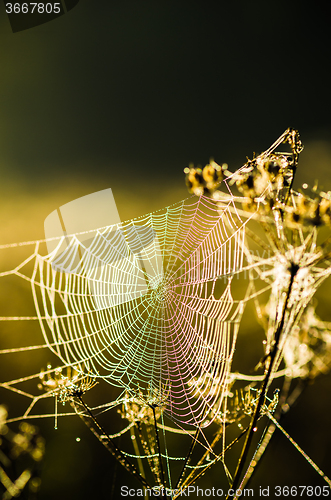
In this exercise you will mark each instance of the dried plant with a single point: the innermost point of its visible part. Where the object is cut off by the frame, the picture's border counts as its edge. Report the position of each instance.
(175, 370)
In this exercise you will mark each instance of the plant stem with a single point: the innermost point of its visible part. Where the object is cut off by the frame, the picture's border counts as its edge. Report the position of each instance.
(280, 413)
(188, 456)
(109, 444)
(158, 449)
(256, 416)
(187, 483)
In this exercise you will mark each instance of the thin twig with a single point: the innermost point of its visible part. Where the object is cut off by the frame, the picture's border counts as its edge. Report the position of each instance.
(214, 442)
(158, 448)
(188, 457)
(108, 442)
(264, 389)
(148, 451)
(217, 458)
(283, 408)
(295, 444)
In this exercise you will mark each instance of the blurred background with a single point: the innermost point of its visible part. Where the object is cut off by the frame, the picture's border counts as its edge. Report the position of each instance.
(125, 94)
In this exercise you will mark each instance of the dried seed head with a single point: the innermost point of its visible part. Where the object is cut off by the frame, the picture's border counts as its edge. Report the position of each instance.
(203, 181)
(74, 383)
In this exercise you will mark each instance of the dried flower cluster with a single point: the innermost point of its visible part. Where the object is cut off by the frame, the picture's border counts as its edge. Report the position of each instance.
(74, 383)
(205, 180)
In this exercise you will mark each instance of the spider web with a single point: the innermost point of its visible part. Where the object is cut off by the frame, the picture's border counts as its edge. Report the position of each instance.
(151, 307)
(145, 305)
